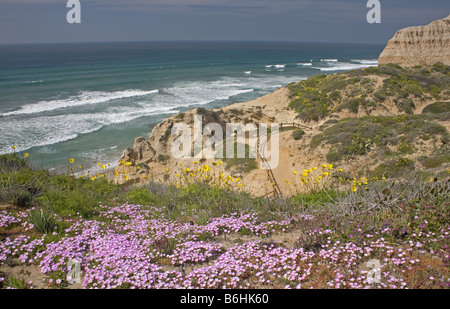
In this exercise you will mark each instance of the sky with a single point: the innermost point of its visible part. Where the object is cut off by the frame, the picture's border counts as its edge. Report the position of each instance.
(44, 21)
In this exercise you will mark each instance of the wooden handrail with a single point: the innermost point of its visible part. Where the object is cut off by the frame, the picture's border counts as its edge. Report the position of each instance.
(272, 179)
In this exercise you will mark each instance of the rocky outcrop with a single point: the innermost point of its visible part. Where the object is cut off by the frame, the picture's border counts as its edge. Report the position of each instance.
(148, 159)
(421, 45)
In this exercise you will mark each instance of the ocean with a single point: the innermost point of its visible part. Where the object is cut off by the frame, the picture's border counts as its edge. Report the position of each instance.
(90, 101)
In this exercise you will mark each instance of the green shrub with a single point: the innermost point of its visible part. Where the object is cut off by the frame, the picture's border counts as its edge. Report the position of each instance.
(432, 162)
(22, 187)
(442, 68)
(298, 134)
(406, 148)
(333, 156)
(246, 164)
(313, 98)
(15, 283)
(179, 116)
(201, 110)
(167, 134)
(42, 219)
(12, 163)
(162, 158)
(437, 108)
(316, 141)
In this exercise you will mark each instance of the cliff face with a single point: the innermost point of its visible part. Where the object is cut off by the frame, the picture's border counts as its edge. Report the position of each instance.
(421, 45)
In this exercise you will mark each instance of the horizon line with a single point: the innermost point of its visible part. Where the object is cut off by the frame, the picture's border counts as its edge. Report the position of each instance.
(190, 41)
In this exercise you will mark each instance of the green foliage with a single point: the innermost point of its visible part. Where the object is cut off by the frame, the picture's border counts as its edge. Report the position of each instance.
(434, 162)
(314, 97)
(64, 194)
(316, 141)
(201, 110)
(442, 68)
(245, 164)
(314, 198)
(346, 135)
(68, 196)
(354, 104)
(394, 168)
(12, 163)
(333, 156)
(15, 283)
(298, 134)
(162, 158)
(42, 219)
(437, 108)
(167, 134)
(179, 116)
(20, 187)
(406, 148)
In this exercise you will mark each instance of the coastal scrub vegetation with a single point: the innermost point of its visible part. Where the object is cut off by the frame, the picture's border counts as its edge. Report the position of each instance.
(196, 227)
(320, 96)
(384, 134)
(201, 235)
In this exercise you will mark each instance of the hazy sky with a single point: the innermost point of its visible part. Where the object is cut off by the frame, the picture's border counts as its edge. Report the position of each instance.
(39, 21)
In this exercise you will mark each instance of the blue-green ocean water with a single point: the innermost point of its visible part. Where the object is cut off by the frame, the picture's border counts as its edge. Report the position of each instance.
(90, 101)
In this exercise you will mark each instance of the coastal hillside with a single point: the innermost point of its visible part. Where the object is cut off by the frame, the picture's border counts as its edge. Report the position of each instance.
(358, 200)
(376, 122)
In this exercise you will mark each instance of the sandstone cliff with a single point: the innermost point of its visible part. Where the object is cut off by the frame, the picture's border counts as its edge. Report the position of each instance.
(420, 45)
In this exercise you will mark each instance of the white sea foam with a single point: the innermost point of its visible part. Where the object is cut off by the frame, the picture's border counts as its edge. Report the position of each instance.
(84, 98)
(329, 60)
(33, 82)
(43, 129)
(49, 130)
(364, 61)
(343, 66)
(202, 92)
(276, 66)
(305, 63)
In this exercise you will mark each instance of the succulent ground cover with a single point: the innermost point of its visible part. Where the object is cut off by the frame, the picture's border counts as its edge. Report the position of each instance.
(134, 246)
